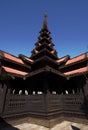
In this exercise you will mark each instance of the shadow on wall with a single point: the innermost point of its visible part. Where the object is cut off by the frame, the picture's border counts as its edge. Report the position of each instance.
(75, 128)
(6, 126)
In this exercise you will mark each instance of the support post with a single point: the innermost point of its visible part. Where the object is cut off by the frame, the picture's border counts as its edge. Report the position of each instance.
(3, 98)
(45, 87)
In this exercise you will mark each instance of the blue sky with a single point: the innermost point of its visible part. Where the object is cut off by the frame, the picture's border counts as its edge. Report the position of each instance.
(21, 21)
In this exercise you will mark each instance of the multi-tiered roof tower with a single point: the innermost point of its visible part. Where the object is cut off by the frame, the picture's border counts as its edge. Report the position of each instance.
(43, 86)
(44, 45)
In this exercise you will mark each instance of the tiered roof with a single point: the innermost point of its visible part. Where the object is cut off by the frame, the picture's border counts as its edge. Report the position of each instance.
(44, 45)
(12, 65)
(43, 59)
(10, 57)
(75, 66)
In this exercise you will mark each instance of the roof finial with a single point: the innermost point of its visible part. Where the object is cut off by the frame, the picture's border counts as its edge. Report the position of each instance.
(45, 21)
(45, 15)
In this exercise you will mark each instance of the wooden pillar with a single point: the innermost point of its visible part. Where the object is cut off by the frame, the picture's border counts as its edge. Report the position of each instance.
(75, 89)
(1, 93)
(70, 91)
(3, 98)
(45, 87)
(30, 91)
(23, 91)
(85, 88)
(16, 91)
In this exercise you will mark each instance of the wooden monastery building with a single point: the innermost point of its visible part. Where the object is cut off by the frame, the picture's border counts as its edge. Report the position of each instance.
(43, 85)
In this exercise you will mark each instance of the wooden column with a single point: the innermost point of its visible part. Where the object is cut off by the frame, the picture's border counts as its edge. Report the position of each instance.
(45, 87)
(3, 98)
(85, 88)
(16, 91)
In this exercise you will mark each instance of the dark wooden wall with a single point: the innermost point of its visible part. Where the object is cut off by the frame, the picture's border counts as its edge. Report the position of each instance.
(45, 105)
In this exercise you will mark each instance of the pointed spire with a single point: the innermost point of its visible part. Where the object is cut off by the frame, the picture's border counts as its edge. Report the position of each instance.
(45, 21)
(44, 45)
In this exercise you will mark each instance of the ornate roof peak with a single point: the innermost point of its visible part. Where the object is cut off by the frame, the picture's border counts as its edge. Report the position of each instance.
(45, 21)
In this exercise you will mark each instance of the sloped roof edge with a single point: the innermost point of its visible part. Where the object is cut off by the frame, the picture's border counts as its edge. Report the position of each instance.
(11, 57)
(14, 71)
(77, 72)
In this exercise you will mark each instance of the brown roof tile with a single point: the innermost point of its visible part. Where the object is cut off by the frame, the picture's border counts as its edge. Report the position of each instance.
(77, 71)
(28, 59)
(35, 51)
(53, 51)
(78, 58)
(13, 58)
(61, 60)
(14, 71)
(39, 44)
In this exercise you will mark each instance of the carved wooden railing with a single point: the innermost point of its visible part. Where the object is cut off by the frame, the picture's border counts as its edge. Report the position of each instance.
(44, 104)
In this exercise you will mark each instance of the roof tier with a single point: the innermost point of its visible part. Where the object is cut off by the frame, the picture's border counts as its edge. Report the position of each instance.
(44, 52)
(77, 72)
(74, 63)
(13, 62)
(14, 71)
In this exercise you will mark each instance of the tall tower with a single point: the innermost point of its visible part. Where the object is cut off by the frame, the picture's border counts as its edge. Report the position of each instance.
(44, 45)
